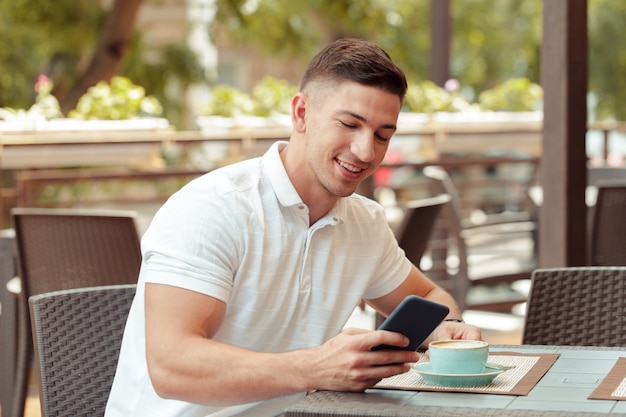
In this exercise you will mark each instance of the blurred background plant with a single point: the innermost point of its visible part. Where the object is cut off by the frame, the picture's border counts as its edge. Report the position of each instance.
(227, 101)
(272, 96)
(518, 94)
(46, 105)
(428, 97)
(59, 38)
(118, 100)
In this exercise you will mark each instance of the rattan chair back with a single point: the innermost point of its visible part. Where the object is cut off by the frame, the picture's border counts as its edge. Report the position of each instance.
(465, 237)
(577, 306)
(416, 226)
(414, 231)
(608, 227)
(78, 334)
(60, 249)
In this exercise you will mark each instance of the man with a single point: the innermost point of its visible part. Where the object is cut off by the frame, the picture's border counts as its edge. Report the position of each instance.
(250, 272)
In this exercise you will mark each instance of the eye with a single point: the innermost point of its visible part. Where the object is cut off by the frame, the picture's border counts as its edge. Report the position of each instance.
(381, 138)
(348, 125)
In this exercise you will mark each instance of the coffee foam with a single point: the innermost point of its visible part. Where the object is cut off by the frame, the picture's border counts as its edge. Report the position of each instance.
(459, 344)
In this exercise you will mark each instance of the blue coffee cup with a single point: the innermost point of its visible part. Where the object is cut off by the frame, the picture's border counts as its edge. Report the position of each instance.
(455, 357)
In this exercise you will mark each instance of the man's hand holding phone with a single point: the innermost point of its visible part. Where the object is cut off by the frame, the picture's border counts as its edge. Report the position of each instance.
(416, 318)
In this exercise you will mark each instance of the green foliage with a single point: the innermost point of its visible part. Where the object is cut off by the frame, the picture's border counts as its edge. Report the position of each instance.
(492, 41)
(227, 101)
(121, 99)
(297, 28)
(518, 94)
(46, 106)
(175, 64)
(45, 101)
(484, 33)
(607, 59)
(58, 37)
(40, 36)
(427, 97)
(271, 95)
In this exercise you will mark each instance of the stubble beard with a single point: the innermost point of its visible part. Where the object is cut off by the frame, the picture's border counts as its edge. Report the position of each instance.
(329, 183)
(325, 175)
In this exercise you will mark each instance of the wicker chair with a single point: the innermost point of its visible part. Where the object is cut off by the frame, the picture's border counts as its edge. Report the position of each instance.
(602, 173)
(8, 325)
(77, 335)
(468, 282)
(608, 224)
(414, 230)
(577, 306)
(417, 225)
(60, 249)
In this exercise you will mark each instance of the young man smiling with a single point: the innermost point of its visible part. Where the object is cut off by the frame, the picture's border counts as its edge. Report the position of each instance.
(250, 272)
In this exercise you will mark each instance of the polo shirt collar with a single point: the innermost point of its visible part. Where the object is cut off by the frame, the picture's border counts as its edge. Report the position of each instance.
(284, 189)
(277, 175)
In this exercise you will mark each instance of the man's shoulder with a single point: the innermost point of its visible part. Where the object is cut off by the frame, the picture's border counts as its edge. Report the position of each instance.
(366, 203)
(363, 207)
(237, 176)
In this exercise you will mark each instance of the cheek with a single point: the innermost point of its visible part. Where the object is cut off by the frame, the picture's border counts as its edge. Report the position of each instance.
(381, 151)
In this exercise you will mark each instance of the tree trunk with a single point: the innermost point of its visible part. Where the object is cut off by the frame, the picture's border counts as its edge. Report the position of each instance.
(107, 58)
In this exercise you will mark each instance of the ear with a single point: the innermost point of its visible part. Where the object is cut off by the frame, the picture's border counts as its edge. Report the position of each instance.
(299, 104)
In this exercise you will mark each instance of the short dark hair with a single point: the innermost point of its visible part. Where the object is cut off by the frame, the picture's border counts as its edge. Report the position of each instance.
(359, 61)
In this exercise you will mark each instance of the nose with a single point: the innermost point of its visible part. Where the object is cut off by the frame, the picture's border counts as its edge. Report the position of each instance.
(363, 147)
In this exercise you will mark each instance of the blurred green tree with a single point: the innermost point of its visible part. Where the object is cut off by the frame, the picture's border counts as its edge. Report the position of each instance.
(44, 37)
(298, 28)
(115, 37)
(607, 59)
(492, 41)
(78, 43)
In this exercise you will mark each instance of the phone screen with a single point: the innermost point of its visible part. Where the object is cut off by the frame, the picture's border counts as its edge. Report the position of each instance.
(416, 318)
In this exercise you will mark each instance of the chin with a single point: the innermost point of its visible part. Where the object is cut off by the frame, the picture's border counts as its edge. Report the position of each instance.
(344, 192)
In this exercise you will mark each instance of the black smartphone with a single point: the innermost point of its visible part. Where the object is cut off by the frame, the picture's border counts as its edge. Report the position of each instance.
(416, 318)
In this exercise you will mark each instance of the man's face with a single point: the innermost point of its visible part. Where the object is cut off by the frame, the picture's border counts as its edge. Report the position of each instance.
(348, 129)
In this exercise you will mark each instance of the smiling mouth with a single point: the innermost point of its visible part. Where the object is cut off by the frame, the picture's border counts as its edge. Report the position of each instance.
(351, 168)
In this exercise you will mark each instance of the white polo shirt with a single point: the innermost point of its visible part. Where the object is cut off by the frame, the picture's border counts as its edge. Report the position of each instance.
(241, 234)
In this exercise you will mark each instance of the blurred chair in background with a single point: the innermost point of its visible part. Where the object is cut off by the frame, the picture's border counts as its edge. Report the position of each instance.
(601, 173)
(607, 245)
(8, 325)
(598, 174)
(481, 264)
(577, 306)
(415, 229)
(60, 249)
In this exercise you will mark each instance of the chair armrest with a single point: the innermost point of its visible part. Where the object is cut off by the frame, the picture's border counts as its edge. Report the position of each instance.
(493, 219)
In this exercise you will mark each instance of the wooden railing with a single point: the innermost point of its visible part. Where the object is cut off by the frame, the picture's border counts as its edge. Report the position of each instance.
(470, 148)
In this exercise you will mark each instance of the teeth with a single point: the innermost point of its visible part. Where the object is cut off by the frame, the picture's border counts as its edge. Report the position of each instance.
(350, 167)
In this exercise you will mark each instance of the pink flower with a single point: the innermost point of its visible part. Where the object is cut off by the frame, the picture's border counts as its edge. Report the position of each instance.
(452, 85)
(42, 81)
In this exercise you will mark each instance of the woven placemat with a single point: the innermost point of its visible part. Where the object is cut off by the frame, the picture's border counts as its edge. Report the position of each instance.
(613, 386)
(520, 380)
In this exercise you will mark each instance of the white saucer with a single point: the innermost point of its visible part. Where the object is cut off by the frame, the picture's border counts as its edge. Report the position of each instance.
(456, 380)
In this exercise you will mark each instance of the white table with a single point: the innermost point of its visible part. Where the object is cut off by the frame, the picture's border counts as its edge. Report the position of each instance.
(563, 391)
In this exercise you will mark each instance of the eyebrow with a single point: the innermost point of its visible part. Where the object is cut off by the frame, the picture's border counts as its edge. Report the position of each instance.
(363, 119)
